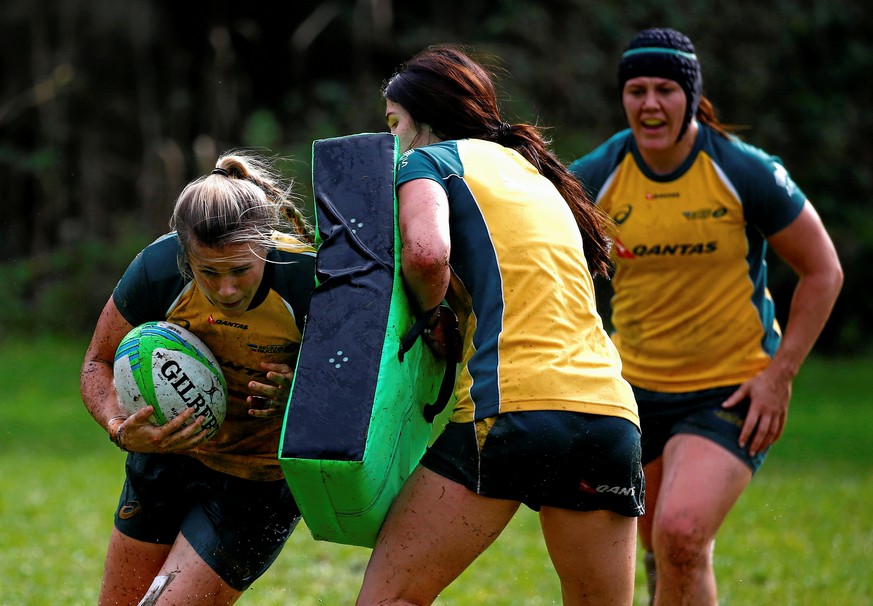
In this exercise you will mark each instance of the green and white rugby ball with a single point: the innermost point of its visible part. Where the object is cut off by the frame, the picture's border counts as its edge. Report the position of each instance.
(163, 365)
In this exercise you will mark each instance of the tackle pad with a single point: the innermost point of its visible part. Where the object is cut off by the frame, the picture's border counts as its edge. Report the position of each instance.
(354, 428)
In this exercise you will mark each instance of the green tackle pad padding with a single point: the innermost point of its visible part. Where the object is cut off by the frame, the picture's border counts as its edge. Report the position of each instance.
(354, 428)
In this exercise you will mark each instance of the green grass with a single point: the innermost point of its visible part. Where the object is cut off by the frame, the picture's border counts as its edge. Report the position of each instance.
(801, 535)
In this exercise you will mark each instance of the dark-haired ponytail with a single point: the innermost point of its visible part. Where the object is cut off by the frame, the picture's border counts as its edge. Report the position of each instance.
(454, 95)
(528, 141)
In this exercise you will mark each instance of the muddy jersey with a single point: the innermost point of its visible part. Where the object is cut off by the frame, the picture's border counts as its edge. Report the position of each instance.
(153, 288)
(691, 309)
(532, 337)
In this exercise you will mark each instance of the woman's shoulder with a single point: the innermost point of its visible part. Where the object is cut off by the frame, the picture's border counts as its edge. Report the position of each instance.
(151, 282)
(610, 151)
(160, 259)
(290, 271)
(594, 167)
(732, 153)
(434, 161)
(434, 152)
(292, 257)
(770, 196)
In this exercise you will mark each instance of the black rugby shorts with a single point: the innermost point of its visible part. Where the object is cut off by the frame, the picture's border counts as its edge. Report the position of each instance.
(664, 415)
(571, 460)
(237, 526)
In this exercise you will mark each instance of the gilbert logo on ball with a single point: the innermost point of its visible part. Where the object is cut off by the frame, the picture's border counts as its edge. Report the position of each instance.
(163, 365)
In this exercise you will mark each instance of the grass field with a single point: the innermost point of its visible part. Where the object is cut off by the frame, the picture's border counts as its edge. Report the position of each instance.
(801, 535)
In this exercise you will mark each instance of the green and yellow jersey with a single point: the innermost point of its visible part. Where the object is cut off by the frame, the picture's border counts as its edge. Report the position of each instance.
(521, 288)
(153, 288)
(691, 309)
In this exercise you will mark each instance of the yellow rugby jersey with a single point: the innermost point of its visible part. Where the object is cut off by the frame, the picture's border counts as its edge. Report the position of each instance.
(270, 331)
(521, 288)
(691, 309)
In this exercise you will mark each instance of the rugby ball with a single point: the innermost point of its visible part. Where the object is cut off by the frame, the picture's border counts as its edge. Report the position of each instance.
(163, 365)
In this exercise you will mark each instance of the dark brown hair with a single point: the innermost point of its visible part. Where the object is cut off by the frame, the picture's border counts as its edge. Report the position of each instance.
(455, 95)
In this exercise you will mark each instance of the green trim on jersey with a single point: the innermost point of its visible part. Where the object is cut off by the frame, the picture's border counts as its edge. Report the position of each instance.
(691, 307)
(153, 288)
(521, 288)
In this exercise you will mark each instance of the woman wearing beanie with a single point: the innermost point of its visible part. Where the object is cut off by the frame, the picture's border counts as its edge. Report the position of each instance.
(695, 210)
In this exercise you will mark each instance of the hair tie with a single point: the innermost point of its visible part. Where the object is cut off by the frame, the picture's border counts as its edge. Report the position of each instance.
(220, 171)
(504, 130)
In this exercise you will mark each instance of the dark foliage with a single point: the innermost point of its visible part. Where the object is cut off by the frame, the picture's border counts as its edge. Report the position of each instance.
(108, 108)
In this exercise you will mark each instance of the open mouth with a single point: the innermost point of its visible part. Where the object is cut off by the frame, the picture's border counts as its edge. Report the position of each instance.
(652, 123)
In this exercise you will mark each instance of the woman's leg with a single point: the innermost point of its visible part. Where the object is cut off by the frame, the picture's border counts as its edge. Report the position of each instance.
(594, 554)
(150, 574)
(700, 483)
(186, 580)
(652, 472)
(433, 532)
(129, 569)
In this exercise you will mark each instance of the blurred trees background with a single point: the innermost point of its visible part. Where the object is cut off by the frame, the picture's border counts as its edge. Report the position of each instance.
(107, 109)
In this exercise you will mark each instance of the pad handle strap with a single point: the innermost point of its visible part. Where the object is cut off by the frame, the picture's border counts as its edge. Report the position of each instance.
(426, 322)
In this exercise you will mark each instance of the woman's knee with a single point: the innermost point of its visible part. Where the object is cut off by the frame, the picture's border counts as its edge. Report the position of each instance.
(682, 539)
